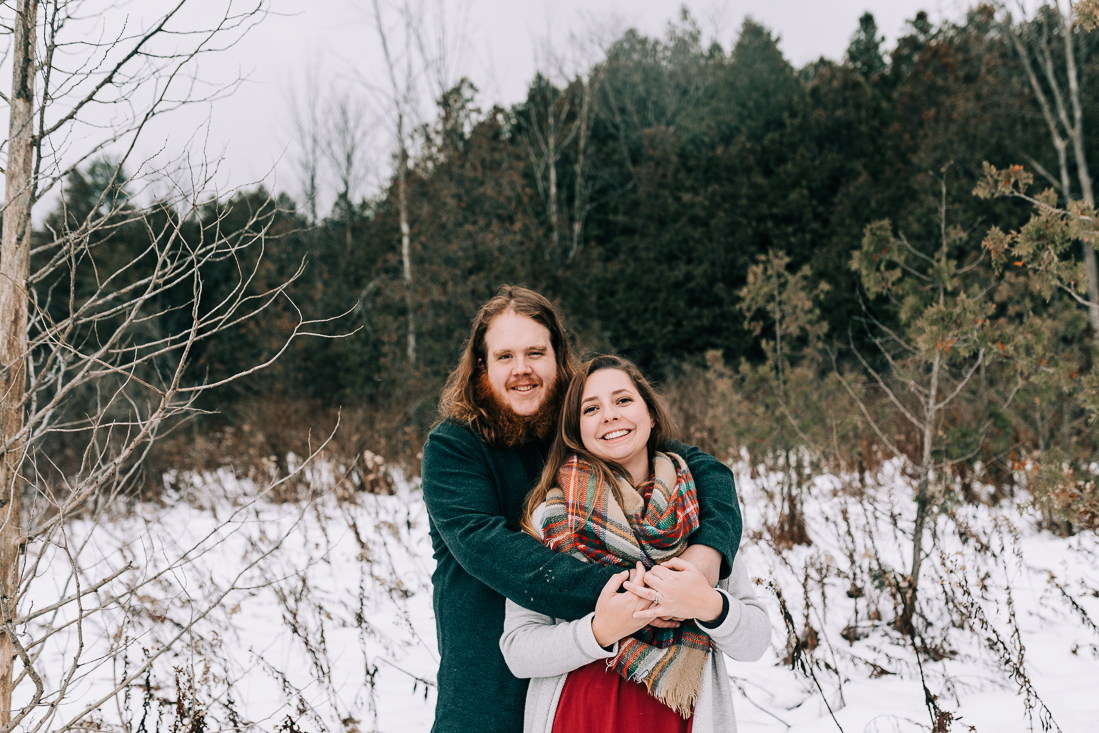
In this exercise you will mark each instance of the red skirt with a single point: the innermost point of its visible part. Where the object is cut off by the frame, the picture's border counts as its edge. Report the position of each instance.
(598, 700)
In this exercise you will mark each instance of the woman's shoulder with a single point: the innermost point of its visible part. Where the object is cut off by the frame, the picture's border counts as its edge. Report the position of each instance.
(536, 518)
(676, 458)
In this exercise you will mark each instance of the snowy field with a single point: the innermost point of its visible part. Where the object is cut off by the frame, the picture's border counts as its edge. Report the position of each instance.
(317, 616)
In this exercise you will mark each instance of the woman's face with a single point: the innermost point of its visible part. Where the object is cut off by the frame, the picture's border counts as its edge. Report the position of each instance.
(615, 422)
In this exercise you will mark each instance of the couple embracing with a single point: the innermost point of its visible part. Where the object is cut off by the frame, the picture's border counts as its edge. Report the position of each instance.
(586, 573)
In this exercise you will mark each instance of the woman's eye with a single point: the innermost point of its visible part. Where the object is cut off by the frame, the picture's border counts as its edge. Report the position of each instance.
(625, 400)
(589, 410)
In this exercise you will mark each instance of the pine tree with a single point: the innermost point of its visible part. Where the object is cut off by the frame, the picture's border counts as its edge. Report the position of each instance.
(864, 51)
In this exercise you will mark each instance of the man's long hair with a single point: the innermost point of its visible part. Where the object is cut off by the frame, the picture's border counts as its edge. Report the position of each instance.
(461, 400)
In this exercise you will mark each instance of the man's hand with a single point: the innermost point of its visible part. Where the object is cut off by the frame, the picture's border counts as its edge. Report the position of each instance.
(706, 559)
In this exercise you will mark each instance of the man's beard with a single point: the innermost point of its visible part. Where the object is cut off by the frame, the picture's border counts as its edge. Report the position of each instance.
(507, 428)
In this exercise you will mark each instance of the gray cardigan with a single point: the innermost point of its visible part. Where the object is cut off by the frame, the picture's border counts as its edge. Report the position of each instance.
(545, 650)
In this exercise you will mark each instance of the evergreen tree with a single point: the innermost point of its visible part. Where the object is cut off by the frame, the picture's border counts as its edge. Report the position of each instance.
(864, 51)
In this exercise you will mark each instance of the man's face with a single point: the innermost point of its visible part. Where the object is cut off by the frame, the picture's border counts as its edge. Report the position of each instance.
(520, 362)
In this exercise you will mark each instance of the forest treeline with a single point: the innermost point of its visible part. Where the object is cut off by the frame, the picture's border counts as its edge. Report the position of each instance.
(825, 267)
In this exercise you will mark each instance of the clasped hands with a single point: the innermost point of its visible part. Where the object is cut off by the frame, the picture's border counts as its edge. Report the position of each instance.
(663, 597)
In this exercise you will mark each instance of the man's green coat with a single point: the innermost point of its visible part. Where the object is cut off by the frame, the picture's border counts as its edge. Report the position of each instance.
(474, 496)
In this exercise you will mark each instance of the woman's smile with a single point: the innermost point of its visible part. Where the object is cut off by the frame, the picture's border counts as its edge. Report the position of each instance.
(615, 423)
(615, 434)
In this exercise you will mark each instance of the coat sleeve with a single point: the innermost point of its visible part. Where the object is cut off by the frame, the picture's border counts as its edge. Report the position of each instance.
(534, 645)
(720, 524)
(464, 505)
(746, 631)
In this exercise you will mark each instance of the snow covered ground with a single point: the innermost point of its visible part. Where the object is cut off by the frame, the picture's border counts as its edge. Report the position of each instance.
(327, 624)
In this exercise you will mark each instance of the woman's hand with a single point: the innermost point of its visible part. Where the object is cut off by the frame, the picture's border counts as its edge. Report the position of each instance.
(615, 613)
(679, 590)
(660, 622)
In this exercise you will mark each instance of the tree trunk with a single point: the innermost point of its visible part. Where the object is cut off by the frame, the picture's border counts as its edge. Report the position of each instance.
(578, 209)
(552, 142)
(347, 240)
(406, 248)
(923, 498)
(14, 270)
(1076, 133)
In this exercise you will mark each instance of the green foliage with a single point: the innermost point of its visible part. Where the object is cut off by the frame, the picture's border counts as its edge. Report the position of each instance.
(864, 51)
(773, 295)
(942, 307)
(1042, 251)
(1042, 246)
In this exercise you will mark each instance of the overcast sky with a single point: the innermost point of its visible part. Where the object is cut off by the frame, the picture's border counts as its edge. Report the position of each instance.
(498, 44)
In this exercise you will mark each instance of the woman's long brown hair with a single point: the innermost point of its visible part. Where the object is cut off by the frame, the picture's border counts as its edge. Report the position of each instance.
(568, 441)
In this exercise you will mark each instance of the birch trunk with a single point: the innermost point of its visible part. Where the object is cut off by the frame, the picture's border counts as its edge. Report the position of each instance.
(1076, 133)
(1073, 133)
(406, 248)
(348, 242)
(14, 270)
(551, 116)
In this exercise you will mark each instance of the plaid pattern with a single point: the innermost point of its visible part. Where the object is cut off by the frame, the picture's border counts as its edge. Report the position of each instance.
(652, 523)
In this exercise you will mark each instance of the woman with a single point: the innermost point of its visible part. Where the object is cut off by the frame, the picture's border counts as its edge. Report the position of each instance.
(613, 492)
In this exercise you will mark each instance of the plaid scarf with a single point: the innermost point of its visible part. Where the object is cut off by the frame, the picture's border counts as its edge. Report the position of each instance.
(583, 518)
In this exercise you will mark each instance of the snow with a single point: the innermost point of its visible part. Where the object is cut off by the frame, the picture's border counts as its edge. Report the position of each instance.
(327, 614)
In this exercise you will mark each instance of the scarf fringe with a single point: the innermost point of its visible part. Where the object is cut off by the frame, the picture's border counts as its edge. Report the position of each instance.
(680, 686)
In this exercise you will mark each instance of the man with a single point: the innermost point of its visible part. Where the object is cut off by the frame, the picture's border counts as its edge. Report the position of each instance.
(498, 413)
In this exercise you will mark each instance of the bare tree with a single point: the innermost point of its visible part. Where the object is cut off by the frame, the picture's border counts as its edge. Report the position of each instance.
(557, 120)
(306, 109)
(426, 56)
(346, 143)
(553, 126)
(402, 84)
(14, 270)
(1055, 81)
(441, 43)
(95, 363)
